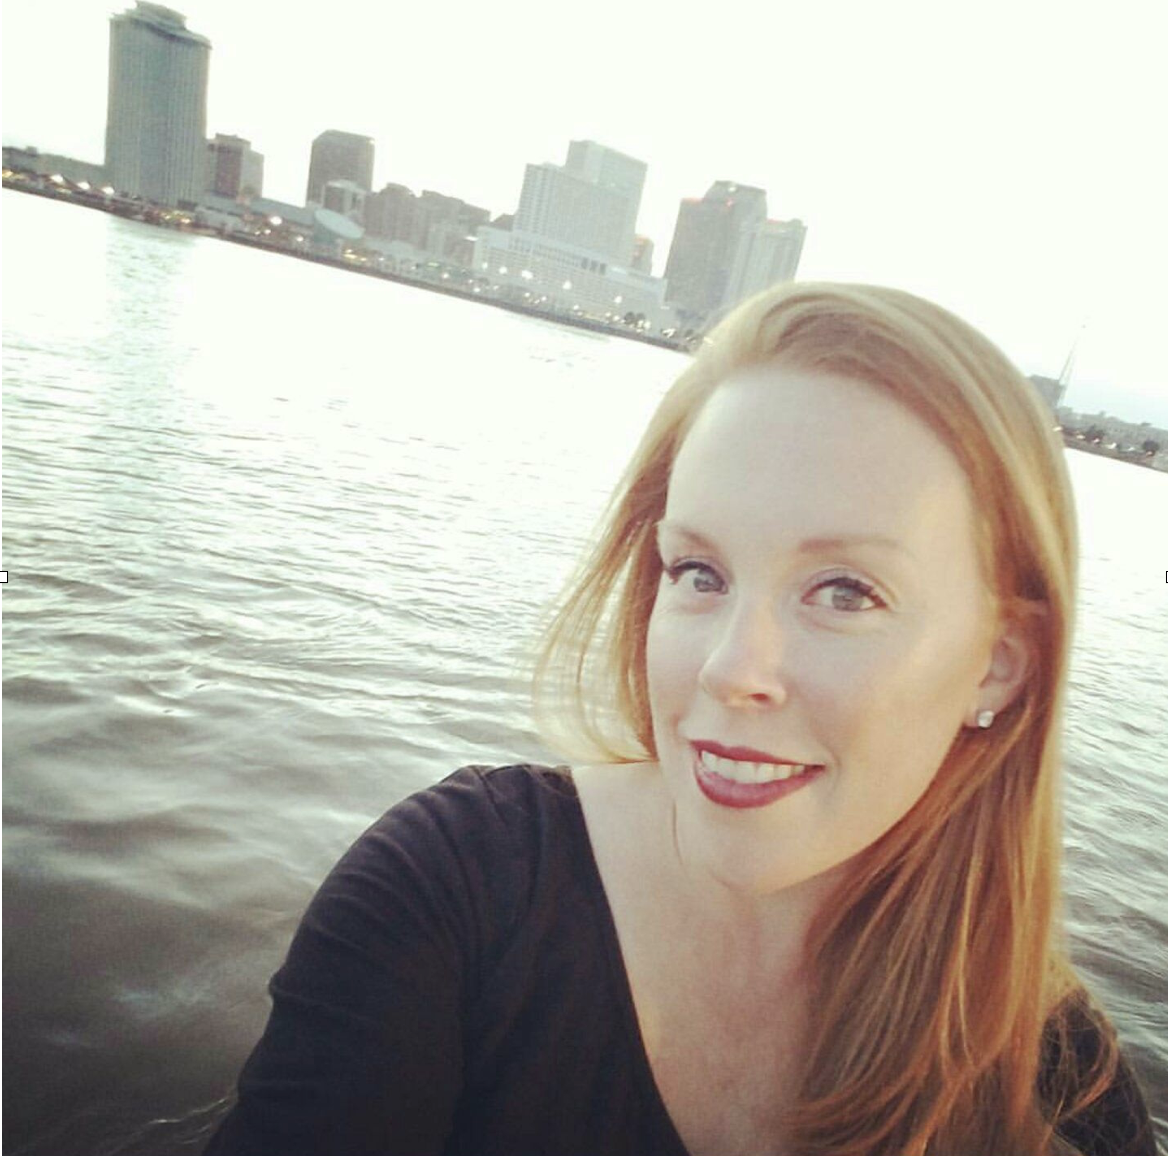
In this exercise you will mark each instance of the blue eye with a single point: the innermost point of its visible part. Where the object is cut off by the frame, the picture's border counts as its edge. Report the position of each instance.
(705, 579)
(847, 594)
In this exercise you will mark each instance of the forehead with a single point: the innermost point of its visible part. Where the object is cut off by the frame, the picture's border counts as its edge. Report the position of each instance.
(798, 451)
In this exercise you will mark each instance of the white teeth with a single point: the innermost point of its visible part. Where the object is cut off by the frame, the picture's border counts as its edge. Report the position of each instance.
(742, 772)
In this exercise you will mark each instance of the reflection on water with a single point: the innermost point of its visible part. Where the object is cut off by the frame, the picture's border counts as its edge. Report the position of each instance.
(278, 538)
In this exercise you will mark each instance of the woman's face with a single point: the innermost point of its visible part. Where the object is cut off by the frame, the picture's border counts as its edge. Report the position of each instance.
(821, 605)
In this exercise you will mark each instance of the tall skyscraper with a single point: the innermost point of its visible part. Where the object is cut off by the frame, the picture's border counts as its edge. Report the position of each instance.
(339, 156)
(156, 122)
(234, 168)
(767, 254)
(591, 202)
(570, 247)
(706, 242)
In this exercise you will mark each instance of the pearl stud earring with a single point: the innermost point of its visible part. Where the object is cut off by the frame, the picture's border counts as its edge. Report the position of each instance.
(985, 719)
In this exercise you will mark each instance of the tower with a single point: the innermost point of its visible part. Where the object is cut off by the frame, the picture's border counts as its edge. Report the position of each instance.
(156, 122)
(591, 202)
(706, 244)
(339, 156)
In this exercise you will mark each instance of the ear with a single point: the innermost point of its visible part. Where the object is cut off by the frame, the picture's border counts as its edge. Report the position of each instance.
(1012, 660)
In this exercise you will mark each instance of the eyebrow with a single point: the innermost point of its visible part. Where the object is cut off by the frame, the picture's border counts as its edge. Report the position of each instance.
(821, 545)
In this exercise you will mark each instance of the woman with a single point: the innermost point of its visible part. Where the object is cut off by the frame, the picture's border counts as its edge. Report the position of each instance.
(803, 898)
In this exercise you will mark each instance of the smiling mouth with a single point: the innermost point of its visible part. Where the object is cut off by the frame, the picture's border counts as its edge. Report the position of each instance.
(750, 771)
(742, 778)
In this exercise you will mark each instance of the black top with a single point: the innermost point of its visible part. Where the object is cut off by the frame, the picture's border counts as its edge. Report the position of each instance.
(456, 987)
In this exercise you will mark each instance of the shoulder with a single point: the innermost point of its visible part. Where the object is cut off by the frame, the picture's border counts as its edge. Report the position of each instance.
(477, 805)
(440, 879)
(466, 843)
(466, 824)
(1089, 1083)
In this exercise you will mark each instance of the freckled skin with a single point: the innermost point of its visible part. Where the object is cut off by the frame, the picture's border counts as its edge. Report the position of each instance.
(760, 643)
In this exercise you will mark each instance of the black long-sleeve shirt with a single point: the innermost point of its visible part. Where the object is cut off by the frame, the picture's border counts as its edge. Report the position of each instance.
(456, 988)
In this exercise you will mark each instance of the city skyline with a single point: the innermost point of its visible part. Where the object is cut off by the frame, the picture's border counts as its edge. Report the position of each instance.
(1004, 166)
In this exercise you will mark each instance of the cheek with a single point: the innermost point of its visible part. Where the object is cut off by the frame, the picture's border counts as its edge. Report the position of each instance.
(672, 661)
(899, 704)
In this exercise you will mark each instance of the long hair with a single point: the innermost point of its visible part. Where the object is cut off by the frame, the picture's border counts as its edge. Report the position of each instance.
(942, 982)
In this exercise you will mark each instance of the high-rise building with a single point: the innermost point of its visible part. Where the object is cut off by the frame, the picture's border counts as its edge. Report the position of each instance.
(706, 242)
(591, 202)
(642, 254)
(234, 168)
(156, 122)
(391, 213)
(346, 198)
(442, 226)
(608, 169)
(570, 247)
(447, 226)
(339, 156)
(766, 254)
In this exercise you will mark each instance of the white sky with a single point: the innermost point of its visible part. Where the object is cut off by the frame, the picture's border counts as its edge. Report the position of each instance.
(1005, 159)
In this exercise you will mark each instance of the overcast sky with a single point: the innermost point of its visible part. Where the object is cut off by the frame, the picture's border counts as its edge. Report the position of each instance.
(1005, 159)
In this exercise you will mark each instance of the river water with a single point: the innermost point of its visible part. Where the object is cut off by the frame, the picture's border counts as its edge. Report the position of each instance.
(278, 537)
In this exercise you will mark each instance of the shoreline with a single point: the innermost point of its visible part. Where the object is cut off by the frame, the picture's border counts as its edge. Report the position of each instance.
(149, 214)
(158, 216)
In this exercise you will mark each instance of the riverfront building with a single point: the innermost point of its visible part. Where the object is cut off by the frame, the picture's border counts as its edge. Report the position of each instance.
(566, 278)
(390, 214)
(434, 224)
(705, 245)
(156, 123)
(31, 160)
(764, 256)
(590, 202)
(642, 254)
(346, 198)
(339, 156)
(234, 168)
(571, 244)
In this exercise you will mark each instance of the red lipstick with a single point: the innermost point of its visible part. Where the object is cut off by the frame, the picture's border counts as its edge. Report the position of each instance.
(730, 793)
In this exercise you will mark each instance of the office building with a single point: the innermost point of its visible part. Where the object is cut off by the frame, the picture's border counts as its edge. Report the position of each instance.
(441, 226)
(642, 254)
(390, 213)
(346, 198)
(591, 202)
(570, 246)
(156, 121)
(765, 255)
(234, 168)
(564, 278)
(339, 156)
(31, 160)
(706, 243)
(447, 227)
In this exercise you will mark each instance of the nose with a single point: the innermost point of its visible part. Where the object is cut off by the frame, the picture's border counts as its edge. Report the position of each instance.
(746, 664)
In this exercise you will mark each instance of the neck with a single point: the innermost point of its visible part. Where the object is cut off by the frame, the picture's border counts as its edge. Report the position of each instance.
(761, 932)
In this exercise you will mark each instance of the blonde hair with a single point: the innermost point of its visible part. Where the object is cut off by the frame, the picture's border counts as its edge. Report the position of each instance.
(941, 961)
